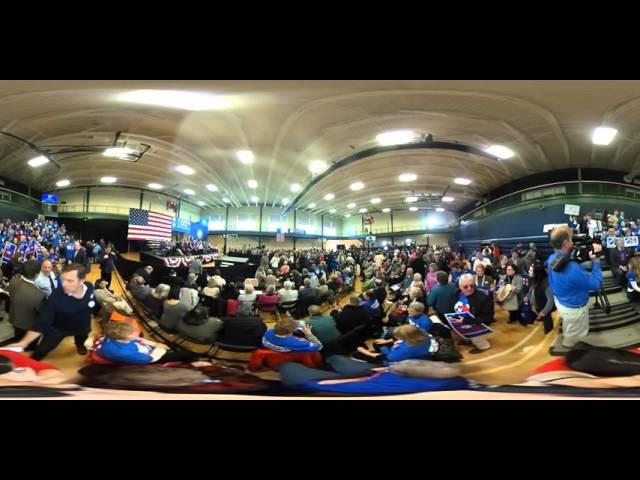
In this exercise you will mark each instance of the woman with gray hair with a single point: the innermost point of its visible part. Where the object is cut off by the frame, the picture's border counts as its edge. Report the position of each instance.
(287, 293)
(156, 298)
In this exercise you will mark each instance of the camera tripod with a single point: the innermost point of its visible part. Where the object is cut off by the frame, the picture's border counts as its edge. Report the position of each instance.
(602, 300)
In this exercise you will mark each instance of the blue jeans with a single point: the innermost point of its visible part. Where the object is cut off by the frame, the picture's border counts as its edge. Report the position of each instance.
(293, 374)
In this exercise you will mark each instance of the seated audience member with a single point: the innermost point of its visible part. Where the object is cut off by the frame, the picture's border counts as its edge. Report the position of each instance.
(122, 344)
(191, 282)
(173, 310)
(173, 280)
(268, 301)
(249, 296)
(412, 343)
(287, 294)
(478, 304)
(620, 262)
(443, 296)
(281, 338)
(229, 292)
(417, 316)
(189, 297)
(217, 276)
(353, 315)
(380, 291)
(138, 289)
(155, 301)
(408, 279)
(324, 293)
(212, 289)
(306, 290)
(199, 326)
(322, 326)
(244, 329)
(145, 273)
(540, 296)
(108, 301)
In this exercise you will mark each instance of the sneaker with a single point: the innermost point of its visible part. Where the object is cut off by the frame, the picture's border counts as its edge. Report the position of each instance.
(81, 350)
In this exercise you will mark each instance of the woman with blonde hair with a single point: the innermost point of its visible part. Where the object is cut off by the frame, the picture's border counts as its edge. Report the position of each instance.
(411, 343)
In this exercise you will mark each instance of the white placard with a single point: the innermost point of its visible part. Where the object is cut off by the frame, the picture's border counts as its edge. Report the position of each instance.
(631, 241)
(572, 210)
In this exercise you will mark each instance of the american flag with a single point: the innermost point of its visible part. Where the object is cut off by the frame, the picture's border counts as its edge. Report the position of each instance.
(146, 225)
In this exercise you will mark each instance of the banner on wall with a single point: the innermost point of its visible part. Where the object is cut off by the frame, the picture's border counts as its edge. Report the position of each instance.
(198, 231)
(181, 225)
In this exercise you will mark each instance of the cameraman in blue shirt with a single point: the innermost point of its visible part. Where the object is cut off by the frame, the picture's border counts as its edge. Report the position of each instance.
(571, 285)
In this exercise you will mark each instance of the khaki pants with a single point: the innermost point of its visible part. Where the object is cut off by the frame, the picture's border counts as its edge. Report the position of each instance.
(575, 324)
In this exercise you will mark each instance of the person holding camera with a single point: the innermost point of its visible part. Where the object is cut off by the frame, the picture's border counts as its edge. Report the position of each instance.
(571, 285)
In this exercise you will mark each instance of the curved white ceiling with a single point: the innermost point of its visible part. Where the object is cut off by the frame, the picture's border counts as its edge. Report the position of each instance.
(287, 124)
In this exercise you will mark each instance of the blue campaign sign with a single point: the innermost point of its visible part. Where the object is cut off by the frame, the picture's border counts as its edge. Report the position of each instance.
(181, 225)
(199, 231)
(51, 198)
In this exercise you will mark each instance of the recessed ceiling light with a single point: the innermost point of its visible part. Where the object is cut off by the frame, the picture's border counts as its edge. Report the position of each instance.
(439, 209)
(407, 177)
(500, 151)
(188, 191)
(255, 199)
(386, 210)
(38, 161)
(182, 100)
(603, 135)
(411, 199)
(185, 170)
(329, 196)
(375, 201)
(357, 186)
(395, 137)
(285, 201)
(363, 210)
(63, 183)
(155, 186)
(212, 188)
(414, 209)
(317, 166)
(108, 179)
(462, 181)
(347, 215)
(252, 184)
(312, 205)
(448, 199)
(333, 210)
(118, 152)
(295, 187)
(201, 203)
(245, 156)
(226, 200)
(351, 205)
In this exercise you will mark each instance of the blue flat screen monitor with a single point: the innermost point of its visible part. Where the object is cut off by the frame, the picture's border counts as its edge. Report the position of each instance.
(50, 198)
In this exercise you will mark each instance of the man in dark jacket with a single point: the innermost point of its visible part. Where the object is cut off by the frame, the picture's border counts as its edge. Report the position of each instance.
(245, 329)
(479, 305)
(27, 300)
(353, 315)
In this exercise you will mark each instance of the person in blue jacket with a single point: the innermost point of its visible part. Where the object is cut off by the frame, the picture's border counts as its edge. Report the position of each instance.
(571, 285)
(412, 343)
(281, 338)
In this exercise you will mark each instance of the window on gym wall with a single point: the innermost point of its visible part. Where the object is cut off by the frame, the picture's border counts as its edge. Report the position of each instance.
(276, 222)
(306, 223)
(246, 222)
(330, 228)
(216, 222)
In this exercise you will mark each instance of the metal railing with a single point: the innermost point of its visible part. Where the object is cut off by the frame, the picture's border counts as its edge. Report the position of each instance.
(80, 208)
(20, 199)
(558, 190)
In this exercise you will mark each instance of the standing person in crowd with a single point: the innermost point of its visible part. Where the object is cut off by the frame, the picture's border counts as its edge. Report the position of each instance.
(107, 265)
(67, 313)
(540, 296)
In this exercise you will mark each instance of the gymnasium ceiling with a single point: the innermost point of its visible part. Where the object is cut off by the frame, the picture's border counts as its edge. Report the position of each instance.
(287, 124)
